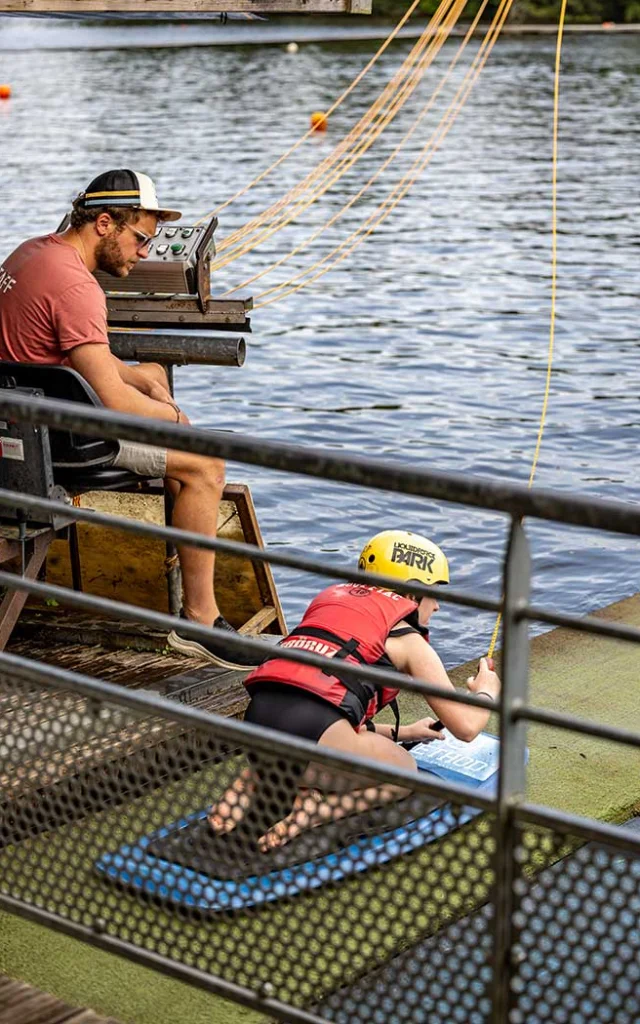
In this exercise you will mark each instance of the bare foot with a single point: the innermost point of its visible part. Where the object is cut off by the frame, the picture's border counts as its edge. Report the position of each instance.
(303, 816)
(232, 807)
(314, 808)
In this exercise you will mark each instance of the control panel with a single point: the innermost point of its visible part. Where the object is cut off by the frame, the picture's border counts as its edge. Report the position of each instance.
(170, 263)
(170, 285)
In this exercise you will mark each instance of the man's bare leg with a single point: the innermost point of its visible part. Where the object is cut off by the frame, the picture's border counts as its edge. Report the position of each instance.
(195, 508)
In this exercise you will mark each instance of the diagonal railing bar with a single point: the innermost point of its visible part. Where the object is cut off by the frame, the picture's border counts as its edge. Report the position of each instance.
(231, 731)
(591, 829)
(239, 549)
(479, 492)
(73, 748)
(241, 642)
(561, 720)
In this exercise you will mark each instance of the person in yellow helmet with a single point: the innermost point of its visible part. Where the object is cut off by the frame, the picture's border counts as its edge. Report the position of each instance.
(365, 624)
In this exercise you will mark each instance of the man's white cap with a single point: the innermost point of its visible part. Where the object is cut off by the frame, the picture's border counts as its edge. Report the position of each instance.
(124, 188)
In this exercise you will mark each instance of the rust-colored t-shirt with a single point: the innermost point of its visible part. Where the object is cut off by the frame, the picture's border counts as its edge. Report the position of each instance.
(49, 303)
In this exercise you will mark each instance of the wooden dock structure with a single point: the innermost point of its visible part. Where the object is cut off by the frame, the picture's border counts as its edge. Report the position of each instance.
(22, 1004)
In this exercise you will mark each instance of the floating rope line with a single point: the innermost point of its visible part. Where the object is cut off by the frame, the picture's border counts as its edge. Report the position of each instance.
(425, 110)
(392, 93)
(260, 177)
(353, 135)
(554, 272)
(402, 95)
(401, 189)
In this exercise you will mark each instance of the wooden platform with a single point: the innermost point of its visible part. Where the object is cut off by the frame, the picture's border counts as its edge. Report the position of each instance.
(128, 654)
(21, 1004)
(61, 781)
(133, 569)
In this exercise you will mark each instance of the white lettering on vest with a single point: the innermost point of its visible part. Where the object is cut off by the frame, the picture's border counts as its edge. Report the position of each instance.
(315, 646)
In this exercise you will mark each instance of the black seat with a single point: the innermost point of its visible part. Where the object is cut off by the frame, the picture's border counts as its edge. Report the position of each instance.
(81, 462)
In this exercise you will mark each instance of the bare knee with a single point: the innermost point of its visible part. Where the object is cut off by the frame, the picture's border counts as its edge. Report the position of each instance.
(197, 471)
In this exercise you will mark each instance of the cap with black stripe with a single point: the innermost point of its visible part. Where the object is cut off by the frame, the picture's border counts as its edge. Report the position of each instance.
(124, 188)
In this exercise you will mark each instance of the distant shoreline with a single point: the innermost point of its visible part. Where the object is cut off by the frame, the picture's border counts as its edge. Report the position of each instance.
(109, 32)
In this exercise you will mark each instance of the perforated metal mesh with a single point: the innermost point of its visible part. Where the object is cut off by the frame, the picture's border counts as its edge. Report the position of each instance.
(90, 788)
(382, 912)
(447, 977)
(576, 951)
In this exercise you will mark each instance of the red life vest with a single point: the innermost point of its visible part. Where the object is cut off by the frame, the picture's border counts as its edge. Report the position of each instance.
(348, 621)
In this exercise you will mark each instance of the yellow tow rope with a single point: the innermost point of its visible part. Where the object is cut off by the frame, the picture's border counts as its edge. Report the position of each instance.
(554, 257)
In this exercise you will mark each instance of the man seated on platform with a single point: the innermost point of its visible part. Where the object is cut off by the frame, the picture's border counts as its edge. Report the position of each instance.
(52, 310)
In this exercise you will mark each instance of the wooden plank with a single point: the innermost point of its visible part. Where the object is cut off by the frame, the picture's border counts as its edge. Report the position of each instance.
(241, 495)
(22, 1004)
(116, 564)
(213, 6)
(258, 622)
(15, 600)
(52, 626)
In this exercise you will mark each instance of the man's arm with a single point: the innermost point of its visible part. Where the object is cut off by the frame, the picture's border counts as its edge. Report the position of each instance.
(100, 369)
(143, 382)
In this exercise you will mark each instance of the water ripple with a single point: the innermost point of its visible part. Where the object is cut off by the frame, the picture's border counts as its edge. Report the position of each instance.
(428, 345)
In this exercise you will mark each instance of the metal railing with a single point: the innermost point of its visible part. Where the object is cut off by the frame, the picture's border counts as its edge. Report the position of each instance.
(415, 900)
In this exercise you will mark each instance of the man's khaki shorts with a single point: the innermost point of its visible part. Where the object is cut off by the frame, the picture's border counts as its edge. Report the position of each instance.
(143, 459)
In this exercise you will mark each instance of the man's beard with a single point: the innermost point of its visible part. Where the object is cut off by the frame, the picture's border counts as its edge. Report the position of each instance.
(109, 257)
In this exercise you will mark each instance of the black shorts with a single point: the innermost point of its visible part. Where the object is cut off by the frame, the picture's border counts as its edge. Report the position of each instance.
(298, 713)
(292, 710)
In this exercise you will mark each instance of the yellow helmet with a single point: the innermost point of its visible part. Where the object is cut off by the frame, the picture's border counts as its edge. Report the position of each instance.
(405, 555)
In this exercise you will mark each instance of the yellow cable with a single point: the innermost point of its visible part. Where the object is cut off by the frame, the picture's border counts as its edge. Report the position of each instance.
(554, 267)
(353, 134)
(401, 189)
(426, 108)
(401, 98)
(390, 90)
(405, 17)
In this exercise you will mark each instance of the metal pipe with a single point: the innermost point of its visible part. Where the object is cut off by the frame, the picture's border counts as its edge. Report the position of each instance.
(239, 642)
(479, 492)
(560, 720)
(587, 828)
(512, 773)
(95, 936)
(242, 550)
(179, 349)
(235, 733)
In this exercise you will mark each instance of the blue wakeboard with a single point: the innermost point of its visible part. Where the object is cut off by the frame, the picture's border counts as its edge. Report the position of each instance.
(187, 864)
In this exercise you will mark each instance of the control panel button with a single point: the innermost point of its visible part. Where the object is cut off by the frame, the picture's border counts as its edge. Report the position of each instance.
(177, 248)
(187, 232)
(170, 232)
(162, 249)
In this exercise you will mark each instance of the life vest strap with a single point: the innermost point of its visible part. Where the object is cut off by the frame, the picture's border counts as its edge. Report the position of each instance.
(349, 649)
(346, 649)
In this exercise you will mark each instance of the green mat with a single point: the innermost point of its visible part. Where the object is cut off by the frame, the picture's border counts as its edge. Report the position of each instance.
(584, 675)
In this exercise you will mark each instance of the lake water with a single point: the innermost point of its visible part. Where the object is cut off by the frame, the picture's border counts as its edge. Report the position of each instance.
(428, 344)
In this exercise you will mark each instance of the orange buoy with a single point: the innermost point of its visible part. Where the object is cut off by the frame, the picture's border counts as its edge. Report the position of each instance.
(319, 121)
(608, 24)
(5, 92)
